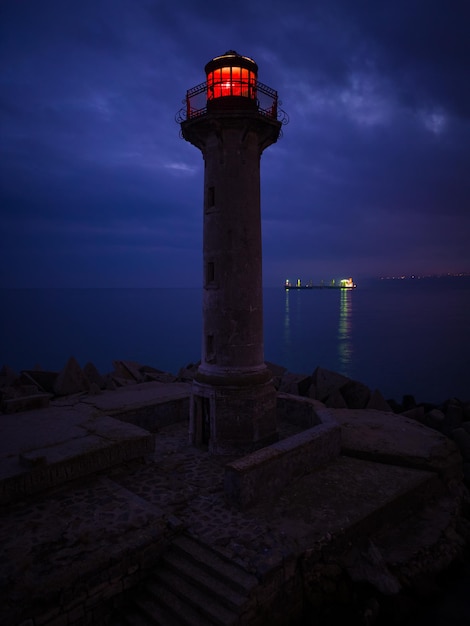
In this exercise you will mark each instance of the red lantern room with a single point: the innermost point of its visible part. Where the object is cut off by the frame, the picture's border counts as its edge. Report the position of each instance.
(231, 84)
(231, 76)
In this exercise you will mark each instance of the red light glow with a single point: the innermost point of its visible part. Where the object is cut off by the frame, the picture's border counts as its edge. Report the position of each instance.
(231, 81)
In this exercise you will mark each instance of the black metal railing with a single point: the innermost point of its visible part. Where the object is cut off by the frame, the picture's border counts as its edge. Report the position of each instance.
(196, 100)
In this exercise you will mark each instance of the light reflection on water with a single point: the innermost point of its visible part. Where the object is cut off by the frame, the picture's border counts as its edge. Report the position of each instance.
(287, 328)
(345, 344)
(317, 330)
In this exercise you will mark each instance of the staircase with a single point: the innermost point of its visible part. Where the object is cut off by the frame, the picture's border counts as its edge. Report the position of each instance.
(192, 585)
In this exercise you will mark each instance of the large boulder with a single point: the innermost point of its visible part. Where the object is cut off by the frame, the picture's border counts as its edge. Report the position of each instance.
(93, 375)
(8, 376)
(453, 416)
(187, 373)
(326, 382)
(277, 371)
(295, 384)
(435, 419)
(355, 394)
(378, 402)
(128, 371)
(71, 379)
(335, 400)
(151, 374)
(44, 380)
(462, 439)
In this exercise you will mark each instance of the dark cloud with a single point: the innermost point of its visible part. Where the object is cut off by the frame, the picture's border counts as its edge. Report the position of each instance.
(370, 176)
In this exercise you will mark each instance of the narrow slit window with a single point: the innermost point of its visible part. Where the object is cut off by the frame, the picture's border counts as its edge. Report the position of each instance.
(210, 272)
(210, 197)
(210, 348)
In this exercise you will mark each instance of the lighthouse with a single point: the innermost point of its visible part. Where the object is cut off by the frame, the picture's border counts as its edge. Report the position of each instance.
(232, 118)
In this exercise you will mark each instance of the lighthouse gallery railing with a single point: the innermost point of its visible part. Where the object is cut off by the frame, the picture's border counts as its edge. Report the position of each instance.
(196, 103)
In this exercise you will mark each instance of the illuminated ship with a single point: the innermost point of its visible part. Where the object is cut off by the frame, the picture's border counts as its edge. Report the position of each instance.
(344, 283)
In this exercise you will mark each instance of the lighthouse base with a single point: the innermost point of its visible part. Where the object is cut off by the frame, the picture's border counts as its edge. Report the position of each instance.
(229, 419)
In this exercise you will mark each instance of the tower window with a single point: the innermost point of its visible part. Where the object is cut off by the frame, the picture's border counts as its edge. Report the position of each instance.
(210, 197)
(210, 349)
(210, 272)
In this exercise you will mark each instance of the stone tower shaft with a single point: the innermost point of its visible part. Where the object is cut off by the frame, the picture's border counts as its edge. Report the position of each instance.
(232, 250)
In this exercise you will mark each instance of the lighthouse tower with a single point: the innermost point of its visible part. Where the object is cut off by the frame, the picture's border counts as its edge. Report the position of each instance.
(232, 118)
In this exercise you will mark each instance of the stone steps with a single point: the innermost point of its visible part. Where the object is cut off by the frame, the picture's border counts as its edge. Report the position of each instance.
(212, 561)
(191, 586)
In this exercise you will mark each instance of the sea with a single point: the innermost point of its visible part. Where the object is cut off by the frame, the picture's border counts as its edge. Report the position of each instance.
(409, 336)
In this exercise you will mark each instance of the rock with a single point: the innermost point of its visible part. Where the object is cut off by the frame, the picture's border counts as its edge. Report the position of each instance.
(109, 383)
(326, 382)
(394, 405)
(94, 389)
(356, 394)
(93, 375)
(435, 419)
(312, 392)
(44, 380)
(152, 374)
(7, 376)
(276, 370)
(453, 416)
(377, 401)
(295, 384)
(462, 439)
(186, 374)
(466, 412)
(129, 370)
(71, 379)
(408, 402)
(119, 381)
(369, 566)
(415, 414)
(335, 400)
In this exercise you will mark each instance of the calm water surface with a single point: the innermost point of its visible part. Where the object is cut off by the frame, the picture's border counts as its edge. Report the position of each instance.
(397, 336)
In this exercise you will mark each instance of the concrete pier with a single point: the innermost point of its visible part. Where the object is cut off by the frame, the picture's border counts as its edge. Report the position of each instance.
(106, 543)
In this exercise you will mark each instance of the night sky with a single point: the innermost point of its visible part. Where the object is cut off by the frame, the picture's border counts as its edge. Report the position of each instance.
(370, 178)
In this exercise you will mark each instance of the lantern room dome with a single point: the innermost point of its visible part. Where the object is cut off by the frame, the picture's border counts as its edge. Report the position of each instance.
(231, 58)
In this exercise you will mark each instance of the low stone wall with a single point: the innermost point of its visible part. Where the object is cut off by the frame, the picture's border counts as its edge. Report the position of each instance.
(56, 465)
(155, 416)
(245, 479)
(299, 410)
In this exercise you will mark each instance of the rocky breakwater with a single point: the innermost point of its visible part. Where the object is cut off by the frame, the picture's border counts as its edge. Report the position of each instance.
(35, 388)
(451, 417)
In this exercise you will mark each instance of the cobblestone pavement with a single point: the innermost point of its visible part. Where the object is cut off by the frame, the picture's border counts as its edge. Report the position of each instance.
(187, 483)
(88, 520)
